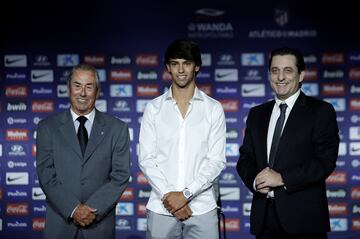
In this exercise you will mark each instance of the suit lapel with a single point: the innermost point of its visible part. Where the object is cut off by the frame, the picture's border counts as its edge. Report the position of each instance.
(293, 122)
(96, 136)
(67, 130)
(263, 131)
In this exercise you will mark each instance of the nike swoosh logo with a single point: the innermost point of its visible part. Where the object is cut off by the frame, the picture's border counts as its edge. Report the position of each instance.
(249, 90)
(62, 91)
(9, 179)
(225, 194)
(38, 194)
(219, 75)
(39, 76)
(8, 61)
(355, 149)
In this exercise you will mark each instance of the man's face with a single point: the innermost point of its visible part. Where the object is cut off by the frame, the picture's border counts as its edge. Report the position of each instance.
(284, 76)
(182, 71)
(83, 92)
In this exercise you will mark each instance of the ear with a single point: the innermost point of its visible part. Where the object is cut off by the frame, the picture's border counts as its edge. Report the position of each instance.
(168, 68)
(302, 75)
(197, 68)
(98, 92)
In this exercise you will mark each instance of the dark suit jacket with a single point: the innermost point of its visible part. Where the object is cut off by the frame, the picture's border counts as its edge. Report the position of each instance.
(68, 179)
(306, 156)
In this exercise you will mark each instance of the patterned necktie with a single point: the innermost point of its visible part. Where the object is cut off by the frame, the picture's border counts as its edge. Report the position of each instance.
(277, 135)
(82, 133)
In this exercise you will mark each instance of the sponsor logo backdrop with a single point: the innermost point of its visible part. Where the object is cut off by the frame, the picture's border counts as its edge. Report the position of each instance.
(128, 52)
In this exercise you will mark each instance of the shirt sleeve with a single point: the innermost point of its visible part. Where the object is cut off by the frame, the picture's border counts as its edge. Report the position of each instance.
(147, 154)
(215, 161)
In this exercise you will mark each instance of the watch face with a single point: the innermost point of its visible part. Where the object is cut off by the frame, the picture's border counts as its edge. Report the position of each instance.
(187, 194)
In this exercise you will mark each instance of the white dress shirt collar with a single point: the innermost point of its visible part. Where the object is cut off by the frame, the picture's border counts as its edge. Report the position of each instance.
(89, 116)
(197, 95)
(289, 101)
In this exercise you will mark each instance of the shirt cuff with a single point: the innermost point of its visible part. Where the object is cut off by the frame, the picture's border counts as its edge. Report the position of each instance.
(194, 188)
(73, 211)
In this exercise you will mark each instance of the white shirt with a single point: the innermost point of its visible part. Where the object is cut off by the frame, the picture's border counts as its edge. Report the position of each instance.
(274, 116)
(177, 153)
(88, 123)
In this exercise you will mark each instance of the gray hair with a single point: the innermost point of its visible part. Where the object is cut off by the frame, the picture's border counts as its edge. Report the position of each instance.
(84, 67)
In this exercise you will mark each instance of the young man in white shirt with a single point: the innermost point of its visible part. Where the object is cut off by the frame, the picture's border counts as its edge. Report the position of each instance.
(182, 151)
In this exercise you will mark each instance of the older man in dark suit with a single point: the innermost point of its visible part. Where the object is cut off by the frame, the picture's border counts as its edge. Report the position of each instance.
(290, 147)
(83, 162)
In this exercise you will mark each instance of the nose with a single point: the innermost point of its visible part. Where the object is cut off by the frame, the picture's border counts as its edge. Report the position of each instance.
(181, 68)
(281, 76)
(83, 91)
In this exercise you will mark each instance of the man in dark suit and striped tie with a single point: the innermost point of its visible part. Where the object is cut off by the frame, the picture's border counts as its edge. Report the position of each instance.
(290, 147)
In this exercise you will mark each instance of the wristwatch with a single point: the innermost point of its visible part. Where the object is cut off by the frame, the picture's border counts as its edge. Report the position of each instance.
(187, 193)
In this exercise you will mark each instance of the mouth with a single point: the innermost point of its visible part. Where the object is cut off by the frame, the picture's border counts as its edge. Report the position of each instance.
(181, 77)
(81, 100)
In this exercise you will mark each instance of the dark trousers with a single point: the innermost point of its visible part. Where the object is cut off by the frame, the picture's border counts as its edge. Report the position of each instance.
(274, 230)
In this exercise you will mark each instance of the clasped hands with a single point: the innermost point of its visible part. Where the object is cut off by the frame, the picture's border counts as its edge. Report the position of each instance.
(177, 204)
(267, 179)
(84, 215)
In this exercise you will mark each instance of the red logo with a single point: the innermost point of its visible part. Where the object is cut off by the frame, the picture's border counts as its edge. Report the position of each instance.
(311, 74)
(230, 105)
(354, 73)
(332, 58)
(17, 134)
(1, 193)
(231, 225)
(355, 224)
(205, 87)
(336, 178)
(141, 179)
(147, 60)
(40, 106)
(355, 104)
(33, 150)
(121, 75)
(16, 91)
(147, 90)
(38, 224)
(95, 60)
(17, 209)
(338, 209)
(333, 89)
(141, 209)
(127, 195)
(355, 193)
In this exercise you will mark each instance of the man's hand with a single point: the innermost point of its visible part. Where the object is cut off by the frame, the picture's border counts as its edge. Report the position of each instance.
(267, 179)
(84, 215)
(183, 213)
(173, 201)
